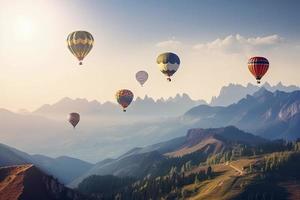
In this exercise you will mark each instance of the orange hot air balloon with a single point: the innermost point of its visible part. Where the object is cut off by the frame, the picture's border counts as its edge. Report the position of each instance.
(258, 66)
(74, 118)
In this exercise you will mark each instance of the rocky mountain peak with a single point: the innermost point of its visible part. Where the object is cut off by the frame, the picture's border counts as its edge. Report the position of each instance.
(262, 92)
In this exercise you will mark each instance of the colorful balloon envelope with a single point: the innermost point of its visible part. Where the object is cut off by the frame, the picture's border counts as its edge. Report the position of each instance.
(124, 98)
(74, 118)
(258, 66)
(141, 77)
(80, 43)
(168, 64)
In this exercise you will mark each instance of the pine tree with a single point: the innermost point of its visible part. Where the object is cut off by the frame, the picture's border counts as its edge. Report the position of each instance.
(250, 168)
(209, 172)
(196, 180)
(183, 169)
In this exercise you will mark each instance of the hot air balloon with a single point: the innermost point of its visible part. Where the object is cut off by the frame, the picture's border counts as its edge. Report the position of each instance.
(74, 118)
(258, 66)
(80, 44)
(141, 77)
(124, 98)
(168, 63)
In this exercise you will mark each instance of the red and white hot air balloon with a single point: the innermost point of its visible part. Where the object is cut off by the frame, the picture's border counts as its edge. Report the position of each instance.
(258, 66)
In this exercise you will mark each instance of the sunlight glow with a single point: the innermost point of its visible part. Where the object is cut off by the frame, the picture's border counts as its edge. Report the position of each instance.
(24, 28)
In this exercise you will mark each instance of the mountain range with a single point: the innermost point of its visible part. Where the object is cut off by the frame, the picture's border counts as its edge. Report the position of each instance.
(265, 113)
(147, 106)
(232, 93)
(143, 107)
(31, 177)
(271, 115)
(139, 162)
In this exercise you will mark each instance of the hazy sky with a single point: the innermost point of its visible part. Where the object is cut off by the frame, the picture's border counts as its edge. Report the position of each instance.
(214, 39)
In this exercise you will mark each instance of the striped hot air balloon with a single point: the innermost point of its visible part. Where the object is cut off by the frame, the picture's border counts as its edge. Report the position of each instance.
(258, 66)
(141, 77)
(124, 98)
(168, 64)
(80, 43)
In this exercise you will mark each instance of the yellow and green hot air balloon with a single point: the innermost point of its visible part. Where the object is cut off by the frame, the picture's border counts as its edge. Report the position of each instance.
(80, 44)
(124, 98)
(168, 64)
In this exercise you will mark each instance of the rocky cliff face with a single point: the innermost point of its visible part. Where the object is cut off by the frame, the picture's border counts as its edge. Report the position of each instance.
(289, 111)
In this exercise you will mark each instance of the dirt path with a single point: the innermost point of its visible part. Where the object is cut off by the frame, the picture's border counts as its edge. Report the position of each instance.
(237, 169)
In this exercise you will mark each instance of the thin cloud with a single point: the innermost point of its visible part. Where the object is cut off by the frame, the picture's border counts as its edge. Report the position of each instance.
(169, 44)
(240, 44)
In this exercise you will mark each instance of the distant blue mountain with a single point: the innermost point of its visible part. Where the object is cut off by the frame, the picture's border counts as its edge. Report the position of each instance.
(272, 115)
(234, 92)
(64, 168)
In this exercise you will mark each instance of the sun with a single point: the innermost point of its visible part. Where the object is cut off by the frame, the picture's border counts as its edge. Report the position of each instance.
(24, 28)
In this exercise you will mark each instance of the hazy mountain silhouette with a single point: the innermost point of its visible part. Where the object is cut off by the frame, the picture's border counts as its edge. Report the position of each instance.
(234, 92)
(92, 139)
(11, 156)
(65, 169)
(146, 106)
(83, 106)
(272, 115)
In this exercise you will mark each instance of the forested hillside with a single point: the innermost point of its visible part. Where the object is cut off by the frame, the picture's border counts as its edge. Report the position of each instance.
(264, 171)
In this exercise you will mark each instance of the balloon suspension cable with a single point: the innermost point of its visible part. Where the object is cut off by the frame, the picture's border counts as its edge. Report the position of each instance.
(169, 79)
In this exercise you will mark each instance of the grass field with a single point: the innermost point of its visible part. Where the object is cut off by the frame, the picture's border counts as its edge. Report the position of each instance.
(233, 180)
(228, 183)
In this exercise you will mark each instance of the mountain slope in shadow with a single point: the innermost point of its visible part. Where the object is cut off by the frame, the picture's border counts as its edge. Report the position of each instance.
(26, 182)
(139, 162)
(65, 169)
